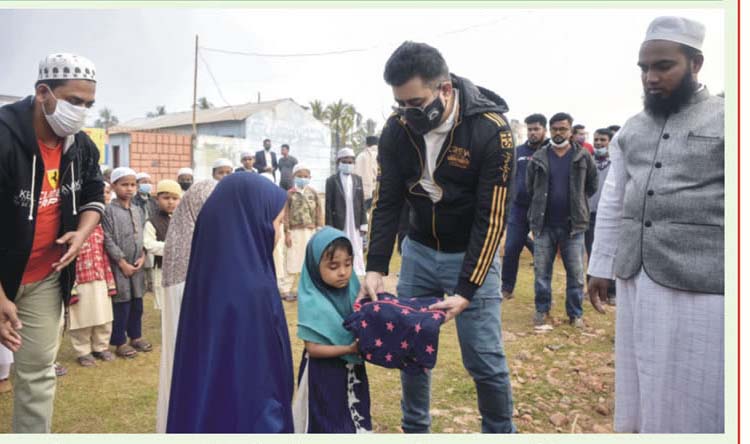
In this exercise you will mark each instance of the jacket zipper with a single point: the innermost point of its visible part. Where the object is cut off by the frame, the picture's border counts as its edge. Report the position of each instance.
(421, 161)
(434, 174)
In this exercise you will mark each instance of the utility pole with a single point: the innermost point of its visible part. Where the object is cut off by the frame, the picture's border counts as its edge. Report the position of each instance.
(195, 100)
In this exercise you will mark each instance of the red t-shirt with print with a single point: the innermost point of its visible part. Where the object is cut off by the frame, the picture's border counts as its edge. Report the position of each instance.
(45, 251)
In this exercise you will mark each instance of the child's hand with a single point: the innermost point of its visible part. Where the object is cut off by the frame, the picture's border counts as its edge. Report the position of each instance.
(139, 263)
(354, 347)
(288, 240)
(127, 269)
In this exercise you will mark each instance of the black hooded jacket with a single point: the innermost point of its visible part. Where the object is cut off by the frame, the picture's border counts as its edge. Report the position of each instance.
(473, 170)
(21, 175)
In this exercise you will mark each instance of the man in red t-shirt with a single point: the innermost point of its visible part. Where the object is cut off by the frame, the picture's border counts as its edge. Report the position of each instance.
(579, 137)
(51, 199)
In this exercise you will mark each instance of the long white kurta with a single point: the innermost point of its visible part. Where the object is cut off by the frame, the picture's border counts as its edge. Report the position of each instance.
(6, 359)
(669, 344)
(170, 318)
(155, 248)
(352, 230)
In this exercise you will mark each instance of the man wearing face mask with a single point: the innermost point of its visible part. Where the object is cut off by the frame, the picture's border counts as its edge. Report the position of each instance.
(560, 178)
(143, 198)
(185, 178)
(447, 153)
(518, 221)
(51, 199)
(345, 205)
(660, 232)
(602, 137)
(579, 137)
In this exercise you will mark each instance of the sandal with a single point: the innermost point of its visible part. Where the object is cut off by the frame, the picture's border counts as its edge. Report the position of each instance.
(60, 370)
(125, 351)
(141, 345)
(104, 355)
(86, 360)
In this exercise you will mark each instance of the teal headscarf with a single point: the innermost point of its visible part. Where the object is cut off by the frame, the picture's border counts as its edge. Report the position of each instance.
(322, 308)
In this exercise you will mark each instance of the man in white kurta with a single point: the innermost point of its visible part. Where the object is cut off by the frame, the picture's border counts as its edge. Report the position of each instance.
(353, 232)
(659, 230)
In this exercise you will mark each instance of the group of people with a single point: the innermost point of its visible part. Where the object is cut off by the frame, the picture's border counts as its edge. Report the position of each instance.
(645, 202)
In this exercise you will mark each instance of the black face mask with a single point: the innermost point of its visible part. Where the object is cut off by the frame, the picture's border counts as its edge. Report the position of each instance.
(423, 120)
(185, 185)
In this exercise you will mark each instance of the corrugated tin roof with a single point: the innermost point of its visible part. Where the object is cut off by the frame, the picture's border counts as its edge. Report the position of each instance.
(226, 113)
(9, 99)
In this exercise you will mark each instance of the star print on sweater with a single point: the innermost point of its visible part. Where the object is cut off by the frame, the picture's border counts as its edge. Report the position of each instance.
(397, 332)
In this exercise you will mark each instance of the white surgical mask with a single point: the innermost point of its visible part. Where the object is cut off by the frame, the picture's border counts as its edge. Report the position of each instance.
(559, 141)
(67, 119)
(346, 168)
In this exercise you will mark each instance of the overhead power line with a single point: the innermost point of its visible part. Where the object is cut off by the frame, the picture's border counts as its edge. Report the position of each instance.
(342, 51)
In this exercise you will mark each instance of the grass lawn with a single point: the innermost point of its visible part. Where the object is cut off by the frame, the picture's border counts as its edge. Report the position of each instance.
(563, 380)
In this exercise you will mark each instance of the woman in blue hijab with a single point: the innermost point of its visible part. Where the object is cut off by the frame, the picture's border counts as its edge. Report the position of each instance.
(233, 365)
(333, 393)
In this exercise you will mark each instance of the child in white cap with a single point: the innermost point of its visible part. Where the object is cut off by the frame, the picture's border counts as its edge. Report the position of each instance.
(123, 240)
(304, 215)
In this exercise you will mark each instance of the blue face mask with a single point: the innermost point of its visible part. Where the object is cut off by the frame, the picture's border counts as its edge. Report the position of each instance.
(346, 168)
(144, 188)
(301, 182)
(601, 152)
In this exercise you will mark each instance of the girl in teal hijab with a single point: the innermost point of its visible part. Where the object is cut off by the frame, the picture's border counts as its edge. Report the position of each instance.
(333, 394)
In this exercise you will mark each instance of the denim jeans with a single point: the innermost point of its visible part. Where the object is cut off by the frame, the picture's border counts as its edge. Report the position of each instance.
(571, 250)
(516, 237)
(426, 272)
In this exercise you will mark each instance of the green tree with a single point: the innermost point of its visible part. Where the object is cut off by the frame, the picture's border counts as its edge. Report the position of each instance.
(318, 110)
(160, 111)
(203, 103)
(106, 119)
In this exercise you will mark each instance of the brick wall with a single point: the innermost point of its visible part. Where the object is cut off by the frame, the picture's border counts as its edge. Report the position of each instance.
(159, 155)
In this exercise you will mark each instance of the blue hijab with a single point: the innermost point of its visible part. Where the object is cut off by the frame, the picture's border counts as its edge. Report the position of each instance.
(322, 308)
(233, 365)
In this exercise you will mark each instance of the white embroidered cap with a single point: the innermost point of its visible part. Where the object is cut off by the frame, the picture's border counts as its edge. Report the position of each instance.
(222, 162)
(66, 66)
(121, 172)
(344, 152)
(299, 167)
(677, 29)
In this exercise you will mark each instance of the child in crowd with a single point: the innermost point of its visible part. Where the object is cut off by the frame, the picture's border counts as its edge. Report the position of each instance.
(123, 241)
(91, 306)
(233, 361)
(304, 215)
(168, 194)
(333, 392)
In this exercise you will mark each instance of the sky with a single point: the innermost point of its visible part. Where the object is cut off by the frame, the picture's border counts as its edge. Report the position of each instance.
(581, 61)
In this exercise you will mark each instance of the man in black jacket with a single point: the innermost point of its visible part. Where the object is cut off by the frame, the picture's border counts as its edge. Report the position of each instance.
(447, 152)
(265, 159)
(51, 199)
(560, 178)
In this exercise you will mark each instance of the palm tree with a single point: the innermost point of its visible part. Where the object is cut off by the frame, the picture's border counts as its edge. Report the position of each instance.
(318, 110)
(106, 119)
(334, 113)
